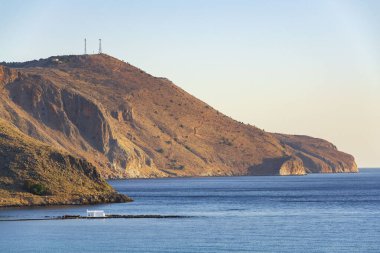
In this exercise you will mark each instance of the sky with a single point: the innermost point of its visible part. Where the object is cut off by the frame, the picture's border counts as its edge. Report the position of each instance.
(297, 66)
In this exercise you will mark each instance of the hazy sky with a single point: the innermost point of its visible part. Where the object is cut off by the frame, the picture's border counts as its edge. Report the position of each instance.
(305, 67)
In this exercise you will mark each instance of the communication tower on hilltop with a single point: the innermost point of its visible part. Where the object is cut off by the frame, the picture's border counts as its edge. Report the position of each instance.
(85, 46)
(100, 46)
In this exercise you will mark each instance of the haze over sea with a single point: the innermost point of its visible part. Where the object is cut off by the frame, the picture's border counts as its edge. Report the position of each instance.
(314, 213)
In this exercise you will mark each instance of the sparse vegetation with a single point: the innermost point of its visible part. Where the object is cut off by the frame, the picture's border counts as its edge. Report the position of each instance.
(159, 150)
(148, 161)
(225, 141)
(32, 170)
(36, 188)
(179, 167)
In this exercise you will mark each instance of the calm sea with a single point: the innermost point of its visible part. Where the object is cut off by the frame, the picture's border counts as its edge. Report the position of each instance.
(314, 213)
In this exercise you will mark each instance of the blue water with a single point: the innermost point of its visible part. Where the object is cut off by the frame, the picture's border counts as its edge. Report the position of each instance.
(314, 213)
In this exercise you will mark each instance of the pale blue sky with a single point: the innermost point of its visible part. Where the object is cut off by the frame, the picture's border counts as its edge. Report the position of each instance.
(305, 67)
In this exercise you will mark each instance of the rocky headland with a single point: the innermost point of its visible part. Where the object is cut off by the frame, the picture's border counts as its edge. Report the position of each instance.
(122, 122)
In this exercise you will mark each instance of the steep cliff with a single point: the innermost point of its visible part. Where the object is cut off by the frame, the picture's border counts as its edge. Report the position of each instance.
(131, 124)
(32, 173)
(317, 155)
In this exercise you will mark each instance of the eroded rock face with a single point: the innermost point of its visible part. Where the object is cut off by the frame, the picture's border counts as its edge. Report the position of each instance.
(62, 110)
(319, 156)
(42, 100)
(292, 166)
(131, 124)
(124, 113)
(89, 119)
(283, 166)
(7, 75)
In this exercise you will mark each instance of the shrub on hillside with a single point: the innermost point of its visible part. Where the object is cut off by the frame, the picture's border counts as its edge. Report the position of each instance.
(36, 188)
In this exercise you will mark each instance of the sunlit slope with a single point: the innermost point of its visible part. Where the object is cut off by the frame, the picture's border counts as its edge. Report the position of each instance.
(131, 124)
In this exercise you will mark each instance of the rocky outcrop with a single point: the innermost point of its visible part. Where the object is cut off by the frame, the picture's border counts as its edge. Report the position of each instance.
(282, 166)
(81, 123)
(32, 173)
(317, 155)
(292, 166)
(131, 124)
(7, 75)
(41, 99)
(123, 113)
(88, 118)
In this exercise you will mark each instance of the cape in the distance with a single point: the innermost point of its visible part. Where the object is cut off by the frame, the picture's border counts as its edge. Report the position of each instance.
(129, 124)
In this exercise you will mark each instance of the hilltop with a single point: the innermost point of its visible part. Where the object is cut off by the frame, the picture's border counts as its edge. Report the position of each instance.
(130, 124)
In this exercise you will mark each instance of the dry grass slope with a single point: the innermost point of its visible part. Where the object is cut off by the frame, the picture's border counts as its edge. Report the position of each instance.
(33, 173)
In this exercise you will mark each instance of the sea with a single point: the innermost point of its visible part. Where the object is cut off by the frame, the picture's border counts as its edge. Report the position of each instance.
(315, 213)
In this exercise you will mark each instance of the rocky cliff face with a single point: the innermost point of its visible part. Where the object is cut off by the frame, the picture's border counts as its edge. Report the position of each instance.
(317, 155)
(32, 173)
(131, 124)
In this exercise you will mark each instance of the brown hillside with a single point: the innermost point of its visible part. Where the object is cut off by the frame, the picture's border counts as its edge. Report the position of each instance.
(32, 173)
(131, 124)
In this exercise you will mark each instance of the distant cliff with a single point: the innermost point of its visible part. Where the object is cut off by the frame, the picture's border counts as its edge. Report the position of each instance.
(32, 173)
(130, 124)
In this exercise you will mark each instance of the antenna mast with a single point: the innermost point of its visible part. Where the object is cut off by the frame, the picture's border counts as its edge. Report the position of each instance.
(100, 46)
(85, 46)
